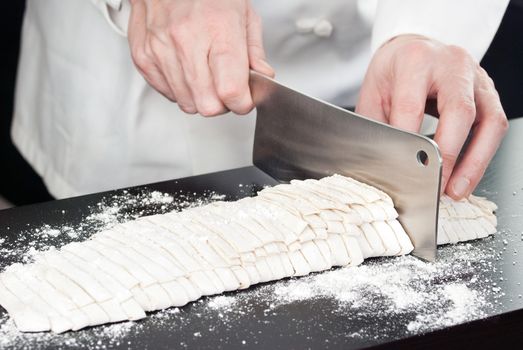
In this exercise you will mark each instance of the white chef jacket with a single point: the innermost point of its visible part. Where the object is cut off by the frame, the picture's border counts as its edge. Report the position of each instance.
(87, 121)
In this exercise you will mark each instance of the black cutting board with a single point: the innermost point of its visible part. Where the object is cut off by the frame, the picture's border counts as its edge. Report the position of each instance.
(253, 322)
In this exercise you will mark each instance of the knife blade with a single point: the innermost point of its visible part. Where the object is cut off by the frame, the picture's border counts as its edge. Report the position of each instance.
(298, 137)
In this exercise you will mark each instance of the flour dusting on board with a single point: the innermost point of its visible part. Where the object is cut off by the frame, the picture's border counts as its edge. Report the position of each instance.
(438, 294)
(120, 207)
(112, 210)
(420, 296)
(429, 296)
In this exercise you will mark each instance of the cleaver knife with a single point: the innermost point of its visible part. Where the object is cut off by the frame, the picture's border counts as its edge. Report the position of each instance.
(299, 137)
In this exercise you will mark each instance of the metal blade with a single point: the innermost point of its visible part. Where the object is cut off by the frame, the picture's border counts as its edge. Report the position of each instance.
(300, 137)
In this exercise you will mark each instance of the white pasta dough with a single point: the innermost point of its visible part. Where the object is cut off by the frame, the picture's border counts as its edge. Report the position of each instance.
(167, 260)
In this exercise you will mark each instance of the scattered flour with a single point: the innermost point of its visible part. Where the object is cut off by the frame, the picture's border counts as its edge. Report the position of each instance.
(114, 209)
(423, 296)
(47, 231)
(121, 207)
(433, 292)
(222, 302)
(465, 304)
(159, 197)
(99, 338)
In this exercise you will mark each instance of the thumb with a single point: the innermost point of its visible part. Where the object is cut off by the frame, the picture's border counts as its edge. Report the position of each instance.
(257, 58)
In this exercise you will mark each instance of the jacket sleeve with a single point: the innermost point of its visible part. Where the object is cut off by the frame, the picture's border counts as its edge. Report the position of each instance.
(470, 24)
(116, 12)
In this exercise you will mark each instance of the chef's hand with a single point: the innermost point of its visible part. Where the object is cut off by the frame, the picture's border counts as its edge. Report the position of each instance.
(408, 70)
(198, 52)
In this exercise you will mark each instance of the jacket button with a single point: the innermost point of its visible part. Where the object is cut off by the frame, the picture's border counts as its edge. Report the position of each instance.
(305, 25)
(323, 28)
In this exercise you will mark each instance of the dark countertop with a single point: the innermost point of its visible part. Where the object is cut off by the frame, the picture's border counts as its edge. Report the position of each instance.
(311, 323)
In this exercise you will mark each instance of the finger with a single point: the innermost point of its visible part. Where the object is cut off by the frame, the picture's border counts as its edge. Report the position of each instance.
(257, 57)
(370, 102)
(456, 106)
(155, 75)
(193, 59)
(488, 133)
(229, 64)
(408, 97)
(169, 64)
(141, 56)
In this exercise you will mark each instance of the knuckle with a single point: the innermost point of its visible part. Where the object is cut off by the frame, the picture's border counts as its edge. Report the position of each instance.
(243, 108)
(141, 60)
(484, 76)
(189, 109)
(211, 110)
(481, 72)
(179, 34)
(409, 106)
(501, 122)
(504, 125)
(459, 56)
(466, 107)
(229, 92)
(449, 158)
(457, 51)
(222, 48)
(418, 49)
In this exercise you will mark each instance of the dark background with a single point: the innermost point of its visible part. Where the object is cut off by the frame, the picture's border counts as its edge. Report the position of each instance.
(21, 185)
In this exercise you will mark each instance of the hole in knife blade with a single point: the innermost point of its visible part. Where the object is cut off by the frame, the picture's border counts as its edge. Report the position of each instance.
(423, 158)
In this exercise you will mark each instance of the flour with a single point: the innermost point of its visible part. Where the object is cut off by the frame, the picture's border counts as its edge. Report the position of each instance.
(399, 286)
(114, 209)
(465, 305)
(159, 197)
(429, 296)
(424, 296)
(101, 338)
(222, 302)
(47, 231)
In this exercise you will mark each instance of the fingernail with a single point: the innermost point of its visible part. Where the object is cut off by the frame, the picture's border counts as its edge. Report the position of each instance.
(460, 187)
(266, 67)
